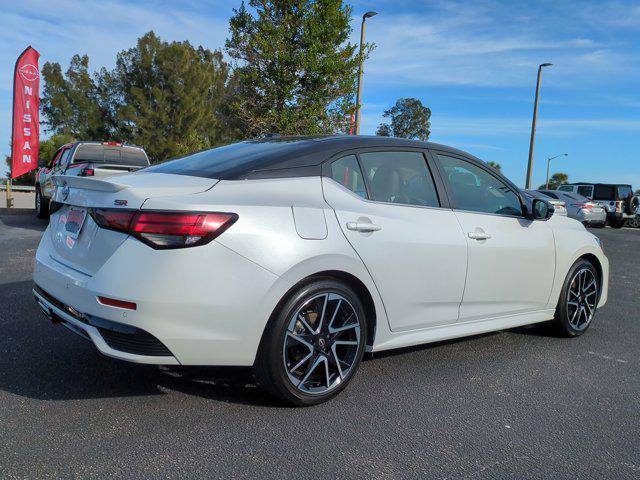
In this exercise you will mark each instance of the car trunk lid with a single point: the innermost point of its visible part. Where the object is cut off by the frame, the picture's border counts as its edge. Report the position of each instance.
(78, 242)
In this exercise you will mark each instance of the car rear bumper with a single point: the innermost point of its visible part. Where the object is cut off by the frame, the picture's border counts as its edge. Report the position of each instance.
(593, 218)
(113, 339)
(205, 305)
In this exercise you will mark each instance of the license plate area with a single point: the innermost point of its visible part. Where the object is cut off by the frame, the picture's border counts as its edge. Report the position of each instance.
(75, 220)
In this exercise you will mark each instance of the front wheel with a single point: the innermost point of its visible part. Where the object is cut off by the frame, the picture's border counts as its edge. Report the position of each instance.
(578, 299)
(314, 345)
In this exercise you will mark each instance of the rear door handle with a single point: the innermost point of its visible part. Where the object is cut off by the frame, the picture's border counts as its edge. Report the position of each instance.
(363, 227)
(478, 235)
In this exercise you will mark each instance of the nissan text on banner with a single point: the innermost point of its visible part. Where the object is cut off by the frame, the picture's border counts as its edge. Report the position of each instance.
(26, 119)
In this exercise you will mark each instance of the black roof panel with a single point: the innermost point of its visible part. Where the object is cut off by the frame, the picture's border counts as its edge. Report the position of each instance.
(278, 156)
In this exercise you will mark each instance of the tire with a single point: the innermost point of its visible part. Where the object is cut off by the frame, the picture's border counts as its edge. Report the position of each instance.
(302, 367)
(41, 205)
(578, 300)
(617, 223)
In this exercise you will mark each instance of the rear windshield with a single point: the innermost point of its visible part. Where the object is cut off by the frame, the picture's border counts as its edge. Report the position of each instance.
(604, 192)
(98, 153)
(221, 161)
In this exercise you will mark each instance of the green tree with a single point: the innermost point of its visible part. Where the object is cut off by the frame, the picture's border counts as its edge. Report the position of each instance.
(167, 97)
(295, 70)
(409, 119)
(70, 101)
(495, 166)
(555, 181)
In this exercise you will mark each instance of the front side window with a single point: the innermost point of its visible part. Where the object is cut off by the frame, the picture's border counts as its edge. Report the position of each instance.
(347, 173)
(399, 177)
(476, 190)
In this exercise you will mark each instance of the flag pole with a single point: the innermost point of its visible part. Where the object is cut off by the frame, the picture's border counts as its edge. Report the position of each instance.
(9, 194)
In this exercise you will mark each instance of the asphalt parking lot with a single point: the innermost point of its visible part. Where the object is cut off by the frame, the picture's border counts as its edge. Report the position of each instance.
(509, 405)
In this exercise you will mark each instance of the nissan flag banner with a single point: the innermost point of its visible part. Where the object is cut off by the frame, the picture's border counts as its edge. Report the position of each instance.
(25, 141)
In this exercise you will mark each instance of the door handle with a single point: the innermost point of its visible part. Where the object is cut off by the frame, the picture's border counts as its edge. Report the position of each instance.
(363, 227)
(478, 235)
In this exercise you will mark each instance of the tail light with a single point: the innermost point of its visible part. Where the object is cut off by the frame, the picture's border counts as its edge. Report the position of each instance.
(112, 144)
(584, 206)
(164, 230)
(87, 172)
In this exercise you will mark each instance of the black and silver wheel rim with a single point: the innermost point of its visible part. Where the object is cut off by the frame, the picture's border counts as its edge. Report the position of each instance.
(582, 298)
(321, 343)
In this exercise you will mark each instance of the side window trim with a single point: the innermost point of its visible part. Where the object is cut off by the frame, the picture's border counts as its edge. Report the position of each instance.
(431, 163)
(399, 149)
(452, 199)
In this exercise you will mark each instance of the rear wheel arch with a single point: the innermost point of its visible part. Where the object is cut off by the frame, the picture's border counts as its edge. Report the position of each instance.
(350, 280)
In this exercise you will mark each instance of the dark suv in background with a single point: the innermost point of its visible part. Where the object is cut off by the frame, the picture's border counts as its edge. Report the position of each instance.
(617, 199)
(86, 159)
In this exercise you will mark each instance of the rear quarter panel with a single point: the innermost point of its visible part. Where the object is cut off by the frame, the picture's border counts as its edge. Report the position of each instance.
(266, 233)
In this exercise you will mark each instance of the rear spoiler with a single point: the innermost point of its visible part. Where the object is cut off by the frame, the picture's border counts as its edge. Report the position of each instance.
(87, 183)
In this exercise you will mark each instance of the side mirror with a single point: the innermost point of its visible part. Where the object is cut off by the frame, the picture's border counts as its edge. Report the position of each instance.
(541, 210)
(42, 163)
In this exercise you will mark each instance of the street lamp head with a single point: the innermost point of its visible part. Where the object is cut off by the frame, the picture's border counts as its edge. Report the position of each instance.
(369, 15)
(546, 65)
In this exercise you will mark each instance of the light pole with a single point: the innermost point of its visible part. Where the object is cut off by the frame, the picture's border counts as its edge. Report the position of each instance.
(549, 161)
(533, 126)
(359, 92)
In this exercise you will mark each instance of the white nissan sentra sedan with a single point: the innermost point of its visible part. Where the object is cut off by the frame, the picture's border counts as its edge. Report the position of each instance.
(295, 255)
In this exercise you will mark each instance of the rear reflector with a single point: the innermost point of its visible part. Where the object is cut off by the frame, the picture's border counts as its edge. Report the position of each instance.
(112, 302)
(163, 230)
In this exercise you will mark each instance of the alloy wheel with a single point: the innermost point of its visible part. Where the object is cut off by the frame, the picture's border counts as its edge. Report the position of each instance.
(321, 343)
(582, 298)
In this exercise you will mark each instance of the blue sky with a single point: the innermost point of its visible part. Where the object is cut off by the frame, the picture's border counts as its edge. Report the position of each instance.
(472, 63)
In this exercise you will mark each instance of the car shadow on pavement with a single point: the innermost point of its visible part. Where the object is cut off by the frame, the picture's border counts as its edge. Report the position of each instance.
(30, 222)
(44, 361)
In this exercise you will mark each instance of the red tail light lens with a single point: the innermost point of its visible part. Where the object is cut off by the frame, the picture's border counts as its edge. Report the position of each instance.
(584, 206)
(87, 172)
(162, 230)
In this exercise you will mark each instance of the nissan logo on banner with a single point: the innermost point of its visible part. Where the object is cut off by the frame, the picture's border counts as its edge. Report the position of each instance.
(25, 140)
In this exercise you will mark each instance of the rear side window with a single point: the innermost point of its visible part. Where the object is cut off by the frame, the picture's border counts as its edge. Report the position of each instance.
(347, 173)
(585, 191)
(604, 192)
(64, 158)
(624, 191)
(476, 190)
(566, 188)
(399, 177)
